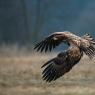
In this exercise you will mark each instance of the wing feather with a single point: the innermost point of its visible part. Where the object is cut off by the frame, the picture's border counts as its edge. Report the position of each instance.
(49, 42)
(58, 66)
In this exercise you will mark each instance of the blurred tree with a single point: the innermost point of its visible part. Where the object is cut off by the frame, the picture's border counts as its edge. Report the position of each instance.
(26, 24)
(37, 22)
(41, 14)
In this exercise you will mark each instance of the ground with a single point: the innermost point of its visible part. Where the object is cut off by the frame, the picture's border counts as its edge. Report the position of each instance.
(20, 74)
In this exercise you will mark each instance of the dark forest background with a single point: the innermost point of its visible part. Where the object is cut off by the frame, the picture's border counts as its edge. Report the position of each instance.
(25, 22)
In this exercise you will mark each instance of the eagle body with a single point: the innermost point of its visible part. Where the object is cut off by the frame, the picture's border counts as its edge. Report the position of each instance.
(64, 61)
(74, 53)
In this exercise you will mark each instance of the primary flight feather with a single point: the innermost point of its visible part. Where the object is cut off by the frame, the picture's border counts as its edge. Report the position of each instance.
(64, 61)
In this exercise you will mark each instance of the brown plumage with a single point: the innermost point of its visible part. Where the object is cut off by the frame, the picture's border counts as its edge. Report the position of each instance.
(64, 61)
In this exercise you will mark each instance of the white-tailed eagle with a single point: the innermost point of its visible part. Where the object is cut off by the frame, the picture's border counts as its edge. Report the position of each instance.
(64, 61)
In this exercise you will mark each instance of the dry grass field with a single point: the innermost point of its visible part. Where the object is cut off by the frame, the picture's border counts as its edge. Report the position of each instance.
(20, 74)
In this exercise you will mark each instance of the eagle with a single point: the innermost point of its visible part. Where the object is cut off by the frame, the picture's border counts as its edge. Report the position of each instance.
(64, 61)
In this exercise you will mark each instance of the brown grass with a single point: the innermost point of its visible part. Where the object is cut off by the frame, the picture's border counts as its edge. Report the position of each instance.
(20, 74)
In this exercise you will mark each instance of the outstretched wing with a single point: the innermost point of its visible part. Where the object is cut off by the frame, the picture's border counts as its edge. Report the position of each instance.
(88, 45)
(50, 42)
(58, 66)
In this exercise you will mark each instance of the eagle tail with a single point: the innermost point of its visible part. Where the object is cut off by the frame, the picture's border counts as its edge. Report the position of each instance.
(90, 38)
(90, 51)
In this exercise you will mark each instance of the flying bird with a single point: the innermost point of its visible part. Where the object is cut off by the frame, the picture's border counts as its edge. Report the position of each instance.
(64, 61)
